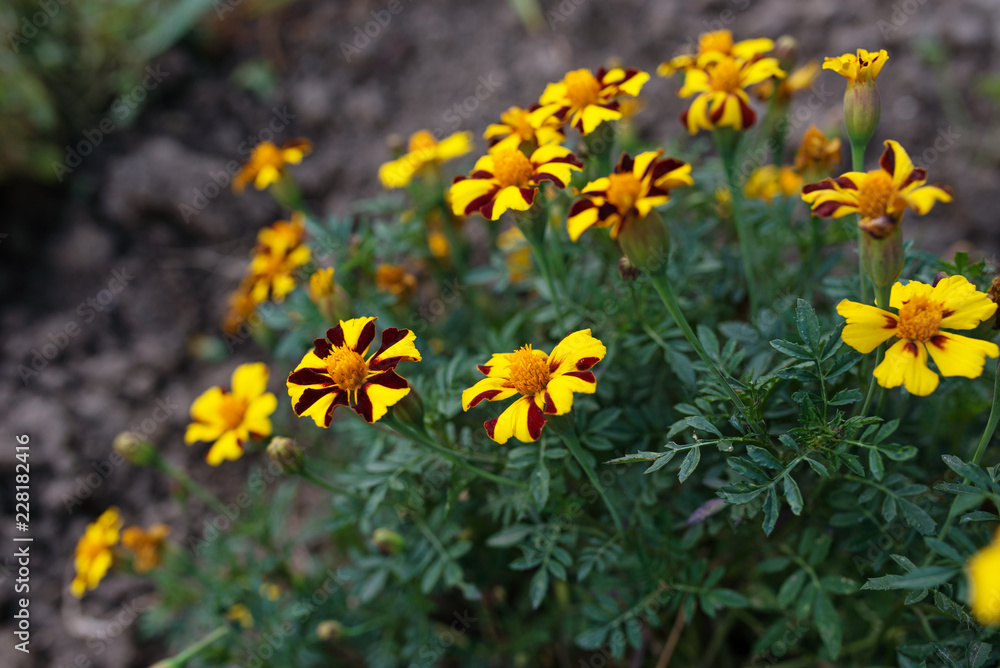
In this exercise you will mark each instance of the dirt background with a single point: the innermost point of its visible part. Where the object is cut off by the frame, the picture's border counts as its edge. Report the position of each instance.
(133, 361)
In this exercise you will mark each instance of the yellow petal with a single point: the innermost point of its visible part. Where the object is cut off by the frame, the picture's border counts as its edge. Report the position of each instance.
(457, 144)
(965, 307)
(905, 292)
(492, 387)
(515, 421)
(352, 331)
(561, 389)
(466, 191)
(983, 571)
(250, 380)
(257, 417)
(749, 48)
(578, 351)
(957, 355)
(199, 431)
(695, 81)
(509, 198)
(867, 326)
(593, 115)
(905, 364)
(902, 165)
(922, 199)
(227, 447)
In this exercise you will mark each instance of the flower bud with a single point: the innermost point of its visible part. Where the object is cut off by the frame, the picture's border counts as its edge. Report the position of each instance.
(329, 629)
(882, 254)
(388, 542)
(410, 409)
(994, 294)
(646, 243)
(134, 448)
(862, 110)
(628, 271)
(286, 454)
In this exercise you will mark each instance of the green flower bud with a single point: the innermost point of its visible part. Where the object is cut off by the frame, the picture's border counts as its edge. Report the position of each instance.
(134, 448)
(388, 541)
(646, 243)
(286, 454)
(882, 254)
(862, 110)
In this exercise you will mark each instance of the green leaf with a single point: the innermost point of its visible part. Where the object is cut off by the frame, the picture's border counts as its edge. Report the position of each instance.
(642, 456)
(699, 423)
(538, 484)
(842, 365)
(875, 464)
(971, 472)
(511, 535)
(977, 654)
(793, 495)
(818, 466)
(889, 508)
(772, 508)
(662, 461)
(791, 587)
(764, 458)
(431, 576)
(592, 638)
(538, 587)
(807, 324)
(838, 584)
(922, 578)
(917, 518)
(792, 349)
(945, 550)
(828, 624)
(846, 397)
(979, 516)
(774, 564)
(727, 598)
(689, 464)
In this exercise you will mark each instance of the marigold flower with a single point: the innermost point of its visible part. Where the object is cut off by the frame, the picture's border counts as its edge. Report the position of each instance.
(509, 180)
(93, 555)
(712, 44)
(858, 68)
(242, 306)
(983, 574)
(335, 372)
(423, 151)
(517, 253)
(546, 384)
(879, 196)
(241, 614)
(816, 153)
(267, 163)
(769, 181)
(146, 545)
(321, 283)
(395, 280)
(630, 193)
(515, 130)
(228, 419)
(722, 100)
(923, 311)
(800, 79)
(279, 252)
(586, 99)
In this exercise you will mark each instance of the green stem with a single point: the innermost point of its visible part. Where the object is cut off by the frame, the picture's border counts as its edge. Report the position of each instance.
(533, 227)
(991, 426)
(566, 431)
(882, 298)
(858, 165)
(189, 484)
(662, 286)
(194, 650)
(306, 474)
(726, 141)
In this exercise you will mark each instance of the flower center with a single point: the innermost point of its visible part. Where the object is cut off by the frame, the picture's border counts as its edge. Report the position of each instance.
(874, 194)
(512, 168)
(582, 88)
(919, 319)
(528, 373)
(719, 40)
(726, 76)
(623, 191)
(232, 410)
(421, 140)
(347, 368)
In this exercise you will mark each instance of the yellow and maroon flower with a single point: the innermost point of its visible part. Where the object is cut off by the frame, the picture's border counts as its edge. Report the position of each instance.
(721, 99)
(228, 419)
(514, 131)
(585, 99)
(880, 196)
(509, 180)
(769, 181)
(817, 154)
(93, 555)
(858, 68)
(146, 545)
(267, 163)
(336, 373)
(922, 311)
(546, 384)
(278, 254)
(712, 44)
(630, 193)
(423, 152)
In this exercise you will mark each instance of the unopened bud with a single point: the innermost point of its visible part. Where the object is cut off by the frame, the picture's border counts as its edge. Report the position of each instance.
(286, 454)
(994, 294)
(646, 243)
(628, 271)
(388, 542)
(882, 255)
(329, 629)
(786, 50)
(862, 110)
(410, 409)
(134, 448)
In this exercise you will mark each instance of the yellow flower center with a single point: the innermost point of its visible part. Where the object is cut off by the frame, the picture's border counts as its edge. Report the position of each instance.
(528, 373)
(623, 191)
(919, 319)
(512, 168)
(874, 194)
(267, 154)
(232, 411)
(726, 76)
(347, 368)
(719, 40)
(421, 140)
(582, 88)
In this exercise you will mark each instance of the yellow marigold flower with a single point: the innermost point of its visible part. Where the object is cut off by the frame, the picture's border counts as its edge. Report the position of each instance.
(630, 193)
(800, 79)
(267, 163)
(437, 242)
(983, 573)
(278, 254)
(546, 384)
(721, 99)
(423, 151)
(335, 372)
(228, 419)
(859, 68)
(586, 99)
(769, 181)
(817, 154)
(515, 130)
(240, 613)
(242, 305)
(517, 253)
(509, 180)
(880, 196)
(923, 311)
(146, 545)
(711, 44)
(393, 279)
(93, 555)
(321, 283)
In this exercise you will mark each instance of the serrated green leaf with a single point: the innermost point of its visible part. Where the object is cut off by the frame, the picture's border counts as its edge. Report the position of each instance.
(922, 578)
(828, 624)
(807, 323)
(509, 536)
(838, 584)
(701, 424)
(944, 549)
(538, 484)
(846, 397)
(876, 465)
(793, 495)
(790, 588)
(889, 508)
(917, 517)
(538, 587)
(662, 461)
(793, 350)
(764, 458)
(772, 509)
(689, 464)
